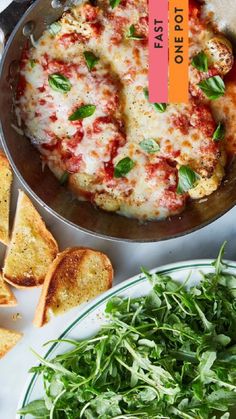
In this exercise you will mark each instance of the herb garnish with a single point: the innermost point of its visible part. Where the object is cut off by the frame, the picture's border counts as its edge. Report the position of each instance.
(83, 112)
(132, 34)
(150, 145)
(160, 107)
(114, 3)
(32, 63)
(59, 83)
(187, 179)
(200, 62)
(219, 133)
(123, 167)
(170, 354)
(64, 178)
(91, 59)
(213, 87)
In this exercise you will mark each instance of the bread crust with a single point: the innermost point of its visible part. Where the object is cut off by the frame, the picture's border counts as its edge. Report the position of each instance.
(7, 298)
(65, 276)
(6, 177)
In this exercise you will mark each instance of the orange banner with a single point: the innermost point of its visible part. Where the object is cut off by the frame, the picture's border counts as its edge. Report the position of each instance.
(178, 51)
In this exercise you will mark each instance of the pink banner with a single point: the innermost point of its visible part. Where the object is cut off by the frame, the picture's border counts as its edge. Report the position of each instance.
(158, 51)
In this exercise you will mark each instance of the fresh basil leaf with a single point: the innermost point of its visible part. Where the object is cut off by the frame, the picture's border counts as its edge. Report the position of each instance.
(160, 107)
(91, 59)
(114, 3)
(37, 408)
(132, 34)
(187, 179)
(146, 93)
(55, 28)
(219, 133)
(32, 63)
(123, 167)
(200, 62)
(59, 83)
(213, 87)
(150, 146)
(64, 178)
(83, 112)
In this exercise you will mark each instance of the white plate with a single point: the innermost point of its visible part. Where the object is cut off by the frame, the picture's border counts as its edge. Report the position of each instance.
(92, 316)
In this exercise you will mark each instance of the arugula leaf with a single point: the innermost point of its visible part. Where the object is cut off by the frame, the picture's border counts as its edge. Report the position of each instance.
(132, 34)
(83, 112)
(91, 59)
(114, 3)
(221, 399)
(150, 146)
(198, 388)
(36, 408)
(225, 416)
(200, 62)
(219, 133)
(106, 404)
(206, 362)
(213, 87)
(59, 83)
(160, 107)
(55, 28)
(147, 395)
(187, 179)
(123, 167)
(208, 326)
(219, 264)
(153, 300)
(223, 340)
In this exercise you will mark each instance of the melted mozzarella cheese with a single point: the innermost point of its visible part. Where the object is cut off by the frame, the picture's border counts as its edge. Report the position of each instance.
(90, 149)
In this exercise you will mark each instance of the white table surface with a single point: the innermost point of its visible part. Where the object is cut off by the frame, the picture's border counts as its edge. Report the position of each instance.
(126, 259)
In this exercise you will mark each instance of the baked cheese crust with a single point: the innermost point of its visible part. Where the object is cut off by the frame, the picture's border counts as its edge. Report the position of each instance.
(87, 150)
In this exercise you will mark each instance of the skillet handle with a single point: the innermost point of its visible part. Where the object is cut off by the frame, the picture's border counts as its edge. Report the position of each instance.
(10, 16)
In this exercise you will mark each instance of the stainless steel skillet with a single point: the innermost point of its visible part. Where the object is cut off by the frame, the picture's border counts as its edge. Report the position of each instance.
(46, 189)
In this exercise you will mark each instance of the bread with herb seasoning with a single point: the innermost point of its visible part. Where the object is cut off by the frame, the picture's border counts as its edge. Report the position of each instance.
(7, 297)
(8, 339)
(6, 177)
(32, 247)
(75, 276)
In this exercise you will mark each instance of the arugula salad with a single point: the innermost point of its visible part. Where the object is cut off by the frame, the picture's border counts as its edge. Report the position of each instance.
(170, 354)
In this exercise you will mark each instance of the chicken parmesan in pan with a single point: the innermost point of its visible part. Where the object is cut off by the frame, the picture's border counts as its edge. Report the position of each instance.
(83, 100)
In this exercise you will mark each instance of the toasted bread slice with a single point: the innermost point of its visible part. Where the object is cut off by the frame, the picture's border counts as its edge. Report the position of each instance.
(8, 339)
(75, 276)
(6, 177)
(32, 247)
(7, 297)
